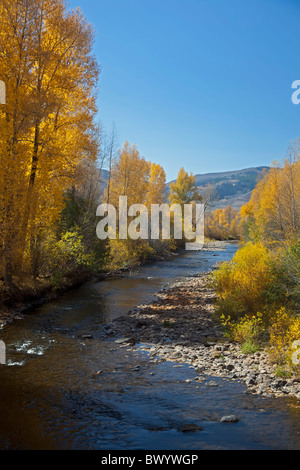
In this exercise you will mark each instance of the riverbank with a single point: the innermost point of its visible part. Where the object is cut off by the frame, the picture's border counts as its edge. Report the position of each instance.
(26, 298)
(28, 295)
(179, 327)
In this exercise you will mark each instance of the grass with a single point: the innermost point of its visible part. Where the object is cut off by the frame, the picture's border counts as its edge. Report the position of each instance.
(249, 347)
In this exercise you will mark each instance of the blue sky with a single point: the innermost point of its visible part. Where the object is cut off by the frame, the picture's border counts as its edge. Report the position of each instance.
(203, 84)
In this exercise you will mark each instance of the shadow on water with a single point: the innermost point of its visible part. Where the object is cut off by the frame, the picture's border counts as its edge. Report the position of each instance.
(60, 390)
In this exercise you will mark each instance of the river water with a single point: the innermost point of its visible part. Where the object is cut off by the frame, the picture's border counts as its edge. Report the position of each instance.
(51, 396)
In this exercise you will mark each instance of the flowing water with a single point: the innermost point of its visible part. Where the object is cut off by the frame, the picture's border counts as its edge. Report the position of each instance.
(51, 396)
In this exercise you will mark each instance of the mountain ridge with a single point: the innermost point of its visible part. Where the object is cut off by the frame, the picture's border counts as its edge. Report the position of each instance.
(229, 188)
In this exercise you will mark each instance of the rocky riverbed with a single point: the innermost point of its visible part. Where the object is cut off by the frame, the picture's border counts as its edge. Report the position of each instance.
(179, 327)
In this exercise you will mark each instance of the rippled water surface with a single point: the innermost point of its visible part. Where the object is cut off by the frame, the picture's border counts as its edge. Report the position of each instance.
(61, 391)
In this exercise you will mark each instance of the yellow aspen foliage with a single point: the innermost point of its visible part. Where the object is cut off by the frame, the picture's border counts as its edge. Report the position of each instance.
(242, 283)
(264, 275)
(156, 185)
(184, 190)
(248, 330)
(285, 330)
(223, 224)
(129, 177)
(128, 253)
(47, 123)
(142, 182)
(273, 214)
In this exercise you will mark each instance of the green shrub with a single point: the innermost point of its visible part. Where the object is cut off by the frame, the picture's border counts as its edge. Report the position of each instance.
(249, 347)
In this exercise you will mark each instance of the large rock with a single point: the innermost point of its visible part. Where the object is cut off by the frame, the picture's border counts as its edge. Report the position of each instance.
(229, 419)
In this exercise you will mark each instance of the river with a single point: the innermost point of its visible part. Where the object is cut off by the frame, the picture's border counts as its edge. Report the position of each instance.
(63, 390)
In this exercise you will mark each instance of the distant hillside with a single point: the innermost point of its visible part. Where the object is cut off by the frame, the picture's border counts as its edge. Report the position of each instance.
(104, 176)
(232, 188)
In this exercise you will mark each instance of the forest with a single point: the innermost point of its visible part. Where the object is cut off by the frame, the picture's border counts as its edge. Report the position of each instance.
(53, 152)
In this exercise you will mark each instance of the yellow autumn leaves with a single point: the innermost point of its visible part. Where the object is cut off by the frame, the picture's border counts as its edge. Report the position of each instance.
(141, 181)
(144, 182)
(223, 224)
(50, 149)
(273, 213)
(259, 291)
(241, 284)
(47, 126)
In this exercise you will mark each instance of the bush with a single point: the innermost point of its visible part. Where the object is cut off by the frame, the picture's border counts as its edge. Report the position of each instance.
(249, 347)
(242, 284)
(256, 281)
(290, 275)
(128, 253)
(64, 256)
(248, 331)
(284, 331)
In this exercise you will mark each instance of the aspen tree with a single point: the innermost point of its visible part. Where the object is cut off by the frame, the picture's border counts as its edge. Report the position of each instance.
(47, 127)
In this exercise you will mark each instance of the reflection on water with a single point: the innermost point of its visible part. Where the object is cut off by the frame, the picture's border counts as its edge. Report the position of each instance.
(66, 388)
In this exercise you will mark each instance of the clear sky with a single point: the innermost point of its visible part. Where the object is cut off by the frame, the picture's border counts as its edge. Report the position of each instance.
(203, 84)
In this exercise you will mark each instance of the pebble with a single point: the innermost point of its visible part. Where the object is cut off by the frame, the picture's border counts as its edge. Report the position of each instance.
(211, 384)
(229, 419)
(197, 341)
